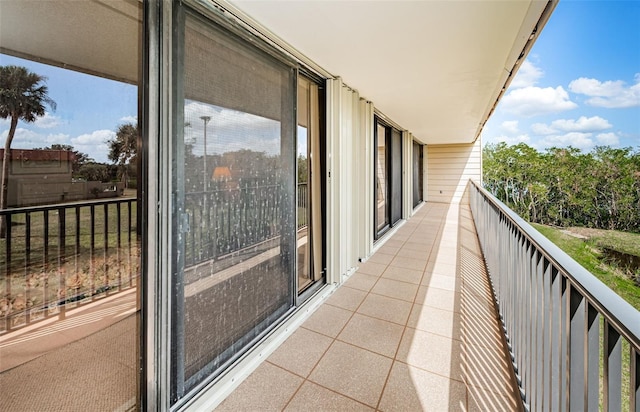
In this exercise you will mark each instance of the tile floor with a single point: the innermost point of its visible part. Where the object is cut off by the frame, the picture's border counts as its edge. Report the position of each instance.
(413, 329)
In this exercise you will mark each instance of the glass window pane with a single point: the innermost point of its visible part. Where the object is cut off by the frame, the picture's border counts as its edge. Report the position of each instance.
(382, 215)
(69, 247)
(396, 176)
(236, 198)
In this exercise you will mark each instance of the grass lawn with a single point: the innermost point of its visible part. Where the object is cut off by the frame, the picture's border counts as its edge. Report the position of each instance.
(588, 254)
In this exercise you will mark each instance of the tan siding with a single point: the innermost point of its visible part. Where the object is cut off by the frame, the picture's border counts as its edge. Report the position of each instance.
(449, 168)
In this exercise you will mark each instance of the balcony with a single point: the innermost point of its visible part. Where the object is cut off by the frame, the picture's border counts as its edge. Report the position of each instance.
(415, 328)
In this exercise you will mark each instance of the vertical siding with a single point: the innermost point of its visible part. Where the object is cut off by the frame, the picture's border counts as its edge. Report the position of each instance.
(449, 168)
(349, 179)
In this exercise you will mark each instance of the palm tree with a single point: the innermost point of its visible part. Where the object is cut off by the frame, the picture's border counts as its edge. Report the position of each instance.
(23, 96)
(123, 149)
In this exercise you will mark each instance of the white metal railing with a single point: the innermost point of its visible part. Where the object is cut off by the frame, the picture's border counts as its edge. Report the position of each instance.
(574, 343)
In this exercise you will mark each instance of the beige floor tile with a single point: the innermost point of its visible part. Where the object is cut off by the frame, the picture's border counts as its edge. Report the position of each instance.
(361, 281)
(451, 283)
(408, 263)
(437, 321)
(372, 268)
(439, 298)
(268, 388)
(312, 397)
(431, 352)
(395, 289)
(487, 368)
(389, 309)
(301, 351)
(381, 258)
(353, 372)
(328, 320)
(413, 254)
(424, 247)
(347, 298)
(481, 400)
(394, 241)
(412, 389)
(441, 266)
(403, 275)
(376, 335)
(388, 249)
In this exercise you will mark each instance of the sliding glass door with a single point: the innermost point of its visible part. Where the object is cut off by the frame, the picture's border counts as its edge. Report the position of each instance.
(388, 177)
(309, 185)
(417, 170)
(234, 198)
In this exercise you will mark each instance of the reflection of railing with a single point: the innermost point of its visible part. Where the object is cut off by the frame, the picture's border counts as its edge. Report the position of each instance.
(230, 219)
(558, 318)
(303, 200)
(60, 256)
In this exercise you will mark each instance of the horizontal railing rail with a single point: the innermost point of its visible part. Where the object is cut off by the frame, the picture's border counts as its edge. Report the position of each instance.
(574, 343)
(61, 256)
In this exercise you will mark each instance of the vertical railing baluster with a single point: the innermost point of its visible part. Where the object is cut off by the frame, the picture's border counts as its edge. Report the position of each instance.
(119, 243)
(105, 252)
(92, 250)
(45, 263)
(78, 245)
(62, 225)
(7, 271)
(634, 381)
(592, 364)
(547, 335)
(539, 332)
(129, 245)
(556, 340)
(612, 368)
(577, 351)
(28, 270)
(564, 341)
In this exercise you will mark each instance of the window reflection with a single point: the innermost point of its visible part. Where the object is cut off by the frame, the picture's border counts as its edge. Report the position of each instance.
(382, 205)
(69, 248)
(235, 201)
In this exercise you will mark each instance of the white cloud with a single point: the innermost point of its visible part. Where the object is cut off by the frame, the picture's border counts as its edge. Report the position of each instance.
(527, 75)
(94, 143)
(510, 140)
(230, 130)
(129, 119)
(542, 128)
(534, 101)
(582, 124)
(608, 139)
(582, 141)
(510, 126)
(28, 139)
(609, 94)
(48, 121)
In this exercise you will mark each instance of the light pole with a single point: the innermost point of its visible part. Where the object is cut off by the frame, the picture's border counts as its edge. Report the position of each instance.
(205, 119)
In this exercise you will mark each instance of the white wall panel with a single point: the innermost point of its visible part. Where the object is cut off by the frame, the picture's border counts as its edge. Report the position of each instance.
(349, 177)
(449, 168)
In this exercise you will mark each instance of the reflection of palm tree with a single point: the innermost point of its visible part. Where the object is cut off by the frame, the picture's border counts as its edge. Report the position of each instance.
(22, 97)
(123, 149)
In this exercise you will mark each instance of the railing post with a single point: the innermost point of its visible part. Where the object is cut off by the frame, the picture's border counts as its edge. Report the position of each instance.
(62, 236)
(612, 369)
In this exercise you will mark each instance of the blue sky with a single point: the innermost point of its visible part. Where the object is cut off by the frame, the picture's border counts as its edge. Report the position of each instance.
(580, 84)
(89, 110)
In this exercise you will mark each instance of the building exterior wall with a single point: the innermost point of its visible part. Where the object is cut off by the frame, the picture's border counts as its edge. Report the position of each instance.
(449, 168)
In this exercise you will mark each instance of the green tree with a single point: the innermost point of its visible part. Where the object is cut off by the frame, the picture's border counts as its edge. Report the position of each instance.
(23, 96)
(123, 149)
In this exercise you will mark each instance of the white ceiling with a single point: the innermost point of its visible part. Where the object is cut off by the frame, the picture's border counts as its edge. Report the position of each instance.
(434, 67)
(67, 33)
